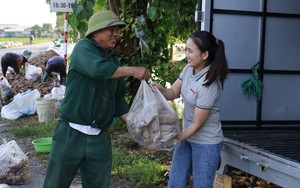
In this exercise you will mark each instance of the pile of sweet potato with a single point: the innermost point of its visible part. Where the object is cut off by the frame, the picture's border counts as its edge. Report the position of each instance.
(155, 130)
(20, 84)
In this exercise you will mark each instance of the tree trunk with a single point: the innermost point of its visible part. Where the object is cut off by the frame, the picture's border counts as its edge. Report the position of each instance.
(115, 6)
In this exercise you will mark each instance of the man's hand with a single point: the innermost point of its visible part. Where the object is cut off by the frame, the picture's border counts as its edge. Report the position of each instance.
(141, 73)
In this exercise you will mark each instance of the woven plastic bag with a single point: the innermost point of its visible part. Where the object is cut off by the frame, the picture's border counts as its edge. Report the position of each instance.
(23, 104)
(151, 120)
(33, 72)
(6, 92)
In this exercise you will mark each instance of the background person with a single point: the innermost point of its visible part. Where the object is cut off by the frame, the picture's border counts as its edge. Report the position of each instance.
(13, 60)
(94, 96)
(31, 38)
(56, 64)
(199, 84)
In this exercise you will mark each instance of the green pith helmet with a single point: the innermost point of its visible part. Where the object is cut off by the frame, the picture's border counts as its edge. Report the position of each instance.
(103, 19)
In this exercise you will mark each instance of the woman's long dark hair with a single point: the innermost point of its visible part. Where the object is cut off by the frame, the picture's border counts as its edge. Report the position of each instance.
(216, 56)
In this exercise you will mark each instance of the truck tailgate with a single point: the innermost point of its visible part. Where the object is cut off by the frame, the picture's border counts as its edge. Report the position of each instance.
(273, 155)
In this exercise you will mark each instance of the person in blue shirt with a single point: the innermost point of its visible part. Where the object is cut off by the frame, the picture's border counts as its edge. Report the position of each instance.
(14, 60)
(56, 64)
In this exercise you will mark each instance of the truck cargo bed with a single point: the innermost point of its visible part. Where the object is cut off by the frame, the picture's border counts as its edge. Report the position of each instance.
(273, 155)
(284, 143)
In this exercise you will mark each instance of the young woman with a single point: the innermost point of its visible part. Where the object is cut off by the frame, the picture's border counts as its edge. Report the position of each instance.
(199, 84)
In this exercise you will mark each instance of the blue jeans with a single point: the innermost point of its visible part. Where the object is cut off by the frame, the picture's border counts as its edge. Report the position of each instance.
(199, 160)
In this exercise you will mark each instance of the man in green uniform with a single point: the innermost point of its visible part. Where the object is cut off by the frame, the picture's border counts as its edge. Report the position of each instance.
(94, 96)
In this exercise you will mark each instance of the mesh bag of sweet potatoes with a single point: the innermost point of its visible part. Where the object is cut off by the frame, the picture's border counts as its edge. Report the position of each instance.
(14, 164)
(151, 120)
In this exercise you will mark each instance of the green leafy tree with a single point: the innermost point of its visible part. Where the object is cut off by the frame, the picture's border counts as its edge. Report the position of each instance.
(36, 31)
(47, 29)
(60, 19)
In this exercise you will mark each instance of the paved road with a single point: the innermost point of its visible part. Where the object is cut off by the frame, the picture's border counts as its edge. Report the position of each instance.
(35, 49)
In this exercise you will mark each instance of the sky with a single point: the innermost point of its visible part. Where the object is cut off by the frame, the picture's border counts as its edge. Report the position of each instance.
(26, 12)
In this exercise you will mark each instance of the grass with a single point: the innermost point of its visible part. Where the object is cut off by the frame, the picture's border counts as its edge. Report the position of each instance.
(137, 165)
(141, 168)
(40, 129)
(143, 173)
(25, 40)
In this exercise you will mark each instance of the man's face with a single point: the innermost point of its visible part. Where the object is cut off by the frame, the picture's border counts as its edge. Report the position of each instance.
(107, 37)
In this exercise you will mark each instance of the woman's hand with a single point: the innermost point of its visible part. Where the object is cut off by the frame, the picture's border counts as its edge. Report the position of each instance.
(157, 85)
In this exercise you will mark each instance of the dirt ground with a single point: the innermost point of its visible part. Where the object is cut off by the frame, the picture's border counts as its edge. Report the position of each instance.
(37, 169)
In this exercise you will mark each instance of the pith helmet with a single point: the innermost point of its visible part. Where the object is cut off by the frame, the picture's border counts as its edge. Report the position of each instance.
(103, 19)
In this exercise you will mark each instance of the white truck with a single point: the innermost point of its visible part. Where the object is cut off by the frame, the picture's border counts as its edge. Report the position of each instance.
(262, 136)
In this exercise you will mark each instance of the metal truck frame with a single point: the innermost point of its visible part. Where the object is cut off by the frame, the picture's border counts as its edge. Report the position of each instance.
(262, 135)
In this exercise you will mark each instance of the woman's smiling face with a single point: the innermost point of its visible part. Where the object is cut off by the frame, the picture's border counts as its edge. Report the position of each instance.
(195, 57)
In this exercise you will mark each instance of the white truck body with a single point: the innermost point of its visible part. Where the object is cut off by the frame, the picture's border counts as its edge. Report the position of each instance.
(266, 34)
